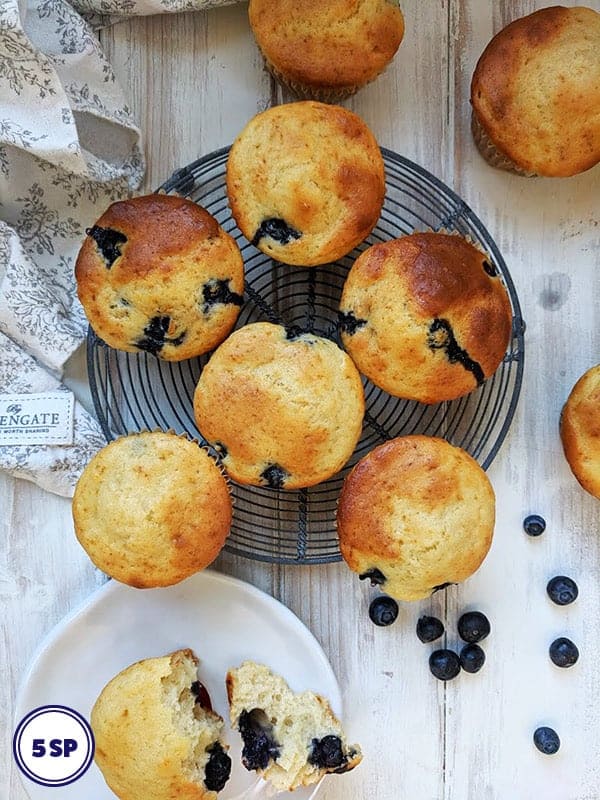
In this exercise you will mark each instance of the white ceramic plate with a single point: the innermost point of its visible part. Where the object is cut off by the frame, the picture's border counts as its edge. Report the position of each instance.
(225, 622)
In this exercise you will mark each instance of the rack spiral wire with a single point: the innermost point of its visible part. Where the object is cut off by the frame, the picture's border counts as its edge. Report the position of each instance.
(136, 391)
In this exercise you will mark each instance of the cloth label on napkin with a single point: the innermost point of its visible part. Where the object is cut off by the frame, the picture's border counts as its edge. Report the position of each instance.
(41, 418)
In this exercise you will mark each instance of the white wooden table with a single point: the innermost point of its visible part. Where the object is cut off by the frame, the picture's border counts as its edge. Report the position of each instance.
(194, 80)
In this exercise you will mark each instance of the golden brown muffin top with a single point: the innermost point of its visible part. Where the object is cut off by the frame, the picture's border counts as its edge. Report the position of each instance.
(420, 511)
(153, 701)
(536, 91)
(158, 274)
(338, 44)
(161, 225)
(285, 410)
(425, 316)
(306, 182)
(151, 509)
(580, 430)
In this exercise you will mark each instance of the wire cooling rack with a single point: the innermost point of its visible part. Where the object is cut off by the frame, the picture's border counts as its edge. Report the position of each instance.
(136, 391)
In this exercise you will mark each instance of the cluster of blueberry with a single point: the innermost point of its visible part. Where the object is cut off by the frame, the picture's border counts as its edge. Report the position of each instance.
(473, 626)
(562, 590)
(445, 664)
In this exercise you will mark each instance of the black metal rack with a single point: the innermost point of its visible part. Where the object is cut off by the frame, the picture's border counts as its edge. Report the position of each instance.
(136, 391)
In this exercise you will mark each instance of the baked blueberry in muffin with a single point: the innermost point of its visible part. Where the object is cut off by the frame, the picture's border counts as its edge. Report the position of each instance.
(425, 317)
(291, 739)
(158, 274)
(156, 702)
(305, 182)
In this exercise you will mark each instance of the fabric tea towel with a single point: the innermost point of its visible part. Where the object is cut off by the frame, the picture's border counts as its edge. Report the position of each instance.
(68, 148)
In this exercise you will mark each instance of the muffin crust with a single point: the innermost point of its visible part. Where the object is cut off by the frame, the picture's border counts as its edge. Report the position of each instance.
(305, 182)
(580, 430)
(158, 274)
(536, 91)
(418, 511)
(425, 317)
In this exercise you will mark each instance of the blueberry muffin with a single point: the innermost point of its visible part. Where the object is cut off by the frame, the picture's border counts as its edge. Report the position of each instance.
(150, 509)
(283, 408)
(414, 515)
(535, 94)
(580, 430)
(157, 737)
(305, 182)
(425, 317)
(290, 739)
(326, 51)
(158, 274)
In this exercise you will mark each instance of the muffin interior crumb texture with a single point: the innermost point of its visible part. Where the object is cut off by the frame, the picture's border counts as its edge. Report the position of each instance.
(290, 739)
(154, 701)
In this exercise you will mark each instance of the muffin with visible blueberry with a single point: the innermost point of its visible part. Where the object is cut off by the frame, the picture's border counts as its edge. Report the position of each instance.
(151, 509)
(158, 274)
(305, 182)
(326, 51)
(535, 94)
(283, 408)
(425, 317)
(157, 736)
(290, 739)
(580, 430)
(414, 515)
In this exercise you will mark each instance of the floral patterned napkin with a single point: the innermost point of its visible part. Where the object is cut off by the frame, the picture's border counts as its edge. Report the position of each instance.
(68, 147)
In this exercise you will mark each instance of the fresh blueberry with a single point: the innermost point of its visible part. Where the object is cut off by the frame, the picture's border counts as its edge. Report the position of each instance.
(473, 626)
(429, 628)
(562, 590)
(444, 664)
(546, 740)
(383, 610)
(534, 525)
(563, 652)
(472, 658)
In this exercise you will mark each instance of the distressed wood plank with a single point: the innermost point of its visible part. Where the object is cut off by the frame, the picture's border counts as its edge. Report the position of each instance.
(422, 740)
(549, 235)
